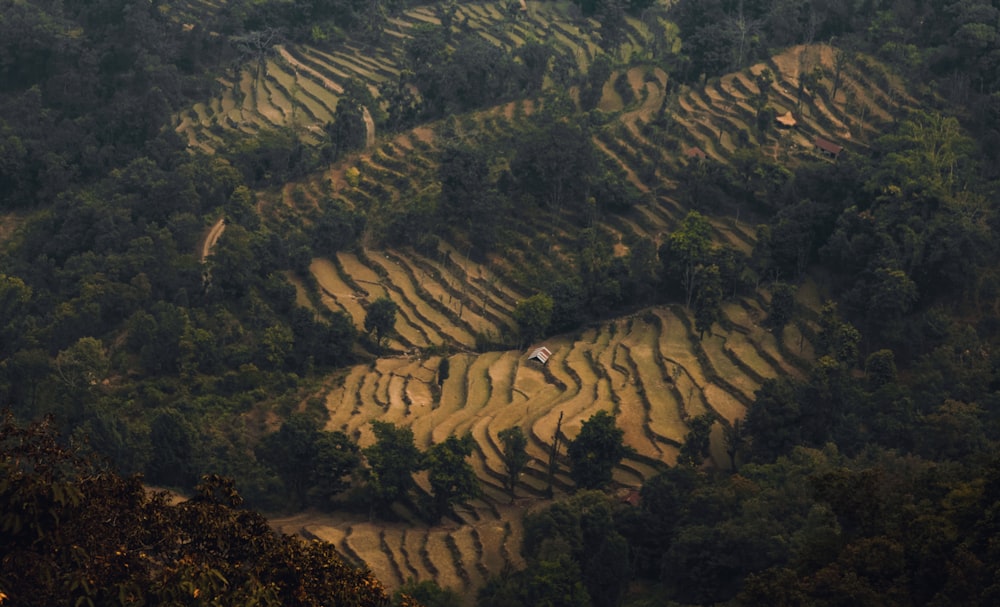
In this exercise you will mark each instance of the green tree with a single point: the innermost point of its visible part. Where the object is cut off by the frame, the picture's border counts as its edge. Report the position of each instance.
(234, 264)
(391, 462)
(774, 420)
(515, 455)
(596, 450)
(468, 194)
(782, 306)
(426, 593)
(290, 451)
(734, 439)
(555, 581)
(696, 442)
(452, 479)
(15, 296)
(686, 252)
(23, 373)
(241, 208)
(276, 346)
(76, 533)
(349, 129)
(892, 294)
(586, 528)
(172, 461)
(336, 459)
(837, 338)
(533, 316)
(927, 151)
(880, 369)
(83, 365)
(380, 319)
(643, 270)
(553, 163)
(708, 302)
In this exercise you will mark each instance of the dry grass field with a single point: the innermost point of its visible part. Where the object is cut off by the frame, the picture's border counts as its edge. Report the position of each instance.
(650, 368)
(645, 368)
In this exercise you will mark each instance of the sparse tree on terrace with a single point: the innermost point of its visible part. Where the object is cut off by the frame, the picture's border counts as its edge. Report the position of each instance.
(515, 457)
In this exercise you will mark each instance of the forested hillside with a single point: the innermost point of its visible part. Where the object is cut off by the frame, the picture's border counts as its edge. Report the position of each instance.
(308, 253)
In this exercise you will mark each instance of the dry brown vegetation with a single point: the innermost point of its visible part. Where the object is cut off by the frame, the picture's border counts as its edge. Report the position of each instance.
(646, 368)
(651, 369)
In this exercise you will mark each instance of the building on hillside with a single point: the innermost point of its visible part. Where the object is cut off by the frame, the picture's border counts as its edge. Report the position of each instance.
(827, 148)
(786, 120)
(541, 354)
(695, 152)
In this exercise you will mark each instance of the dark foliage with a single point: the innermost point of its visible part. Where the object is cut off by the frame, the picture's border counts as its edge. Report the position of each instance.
(76, 533)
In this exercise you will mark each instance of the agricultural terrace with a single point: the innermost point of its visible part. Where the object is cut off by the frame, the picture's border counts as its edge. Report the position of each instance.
(649, 368)
(297, 86)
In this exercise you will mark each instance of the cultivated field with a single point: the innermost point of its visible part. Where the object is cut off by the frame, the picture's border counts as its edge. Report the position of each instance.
(297, 86)
(649, 368)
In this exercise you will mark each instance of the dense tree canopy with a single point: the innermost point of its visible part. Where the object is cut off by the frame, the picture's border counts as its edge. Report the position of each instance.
(75, 532)
(596, 450)
(452, 479)
(392, 460)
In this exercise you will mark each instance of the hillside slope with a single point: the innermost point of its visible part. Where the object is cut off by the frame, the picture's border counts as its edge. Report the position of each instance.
(650, 368)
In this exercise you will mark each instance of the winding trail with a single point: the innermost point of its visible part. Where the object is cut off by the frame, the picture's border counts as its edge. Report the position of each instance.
(369, 127)
(213, 236)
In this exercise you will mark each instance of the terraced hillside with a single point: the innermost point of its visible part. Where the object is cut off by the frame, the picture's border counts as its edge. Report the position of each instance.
(399, 169)
(297, 86)
(649, 368)
(843, 98)
(445, 301)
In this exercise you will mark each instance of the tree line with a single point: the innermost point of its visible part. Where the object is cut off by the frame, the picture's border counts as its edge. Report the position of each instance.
(328, 470)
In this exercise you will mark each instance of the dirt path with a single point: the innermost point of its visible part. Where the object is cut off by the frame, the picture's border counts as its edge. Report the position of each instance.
(212, 238)
(369, 127)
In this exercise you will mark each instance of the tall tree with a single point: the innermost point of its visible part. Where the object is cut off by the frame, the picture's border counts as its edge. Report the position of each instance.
(173, 460)
(349, 129)
(596, 450)
(782, 306)
(553, 163)
(696, 441)
(15, 297)
(927, 151)
(83, 365)
(337, 457)
(292, 452)
(774, 420)
(709, 300)
(452, 479)
(533, 316)
(515, 456)
(380, 319)
(76, 533)
(392, 460)
(686, 252)
(734, 438)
